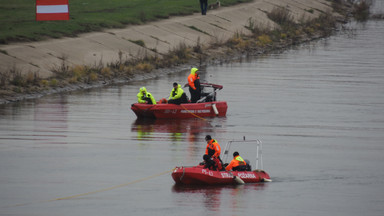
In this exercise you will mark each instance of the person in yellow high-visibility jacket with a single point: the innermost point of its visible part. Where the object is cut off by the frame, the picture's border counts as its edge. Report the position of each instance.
(177, 95)
(145, 97)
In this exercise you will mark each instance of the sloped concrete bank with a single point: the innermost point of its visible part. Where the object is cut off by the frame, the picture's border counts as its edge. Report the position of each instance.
(159, 38)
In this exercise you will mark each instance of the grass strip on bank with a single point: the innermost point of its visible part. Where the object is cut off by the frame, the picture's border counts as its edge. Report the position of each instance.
(18, 16)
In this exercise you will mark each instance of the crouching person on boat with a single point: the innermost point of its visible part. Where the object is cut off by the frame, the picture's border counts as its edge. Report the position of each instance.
(145, 97)
(177, 95)
(212, 163)
(237, 163)
(213, 148)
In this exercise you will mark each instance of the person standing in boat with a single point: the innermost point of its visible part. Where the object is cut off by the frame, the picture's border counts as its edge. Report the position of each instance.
(177, 95)
(194, 85)
(237, 163)
(213, 148)
(145, 97)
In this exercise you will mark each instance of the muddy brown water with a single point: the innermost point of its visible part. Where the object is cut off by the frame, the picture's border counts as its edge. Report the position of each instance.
(317, 108)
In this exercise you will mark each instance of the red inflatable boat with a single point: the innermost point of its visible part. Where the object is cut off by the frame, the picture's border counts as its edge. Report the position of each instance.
(197, 175)
(207, 106)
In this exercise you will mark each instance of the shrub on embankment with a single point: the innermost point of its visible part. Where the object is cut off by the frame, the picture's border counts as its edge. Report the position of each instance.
(360, 10)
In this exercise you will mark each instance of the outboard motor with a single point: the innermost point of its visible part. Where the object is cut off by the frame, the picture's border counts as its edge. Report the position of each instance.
(249, 167)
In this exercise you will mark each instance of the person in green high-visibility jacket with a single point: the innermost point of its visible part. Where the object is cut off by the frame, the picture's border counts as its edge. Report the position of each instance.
(177, 95)
(145, 97)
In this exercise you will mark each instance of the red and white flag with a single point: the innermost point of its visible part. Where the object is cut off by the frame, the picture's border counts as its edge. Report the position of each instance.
(52, 10)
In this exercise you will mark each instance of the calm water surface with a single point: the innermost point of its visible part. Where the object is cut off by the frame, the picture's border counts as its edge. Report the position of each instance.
(317, 108)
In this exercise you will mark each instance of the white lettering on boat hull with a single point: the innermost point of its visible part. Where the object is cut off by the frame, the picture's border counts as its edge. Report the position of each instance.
(195, 111)
(225, 175)
(207, 172)
(246, 175)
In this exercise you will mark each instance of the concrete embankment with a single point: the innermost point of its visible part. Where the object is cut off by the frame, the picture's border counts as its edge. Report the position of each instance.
(161, 36)
(116, 46)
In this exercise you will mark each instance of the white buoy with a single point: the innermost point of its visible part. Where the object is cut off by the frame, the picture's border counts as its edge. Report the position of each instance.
(215, 109)
(238, 180)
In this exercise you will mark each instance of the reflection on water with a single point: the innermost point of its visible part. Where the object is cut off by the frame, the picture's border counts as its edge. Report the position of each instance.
(204, 189)
(148, 129)
(213, 198)
(184, 134)
(50, 121)
(42, 121)
(318, 109)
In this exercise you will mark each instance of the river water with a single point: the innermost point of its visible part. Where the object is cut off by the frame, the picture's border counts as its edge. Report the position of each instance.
(317, 108)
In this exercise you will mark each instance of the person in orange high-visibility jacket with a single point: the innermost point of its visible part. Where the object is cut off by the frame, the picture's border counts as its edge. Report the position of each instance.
(194, 85)
(212, 145)
(237, 163)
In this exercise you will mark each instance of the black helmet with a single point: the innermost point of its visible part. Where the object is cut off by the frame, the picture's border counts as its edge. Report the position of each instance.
(235, 154)
(208, 137)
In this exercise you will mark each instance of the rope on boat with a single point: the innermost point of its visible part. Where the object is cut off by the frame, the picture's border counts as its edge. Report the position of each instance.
(193, 113)
(114, 187)
(97, 191)
(181, 177)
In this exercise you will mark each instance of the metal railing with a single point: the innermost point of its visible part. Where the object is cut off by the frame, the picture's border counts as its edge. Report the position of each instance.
(259, 155)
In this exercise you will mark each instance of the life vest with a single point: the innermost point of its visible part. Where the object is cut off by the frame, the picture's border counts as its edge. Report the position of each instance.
(213, 145)
(237, 161)
(218, 163)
